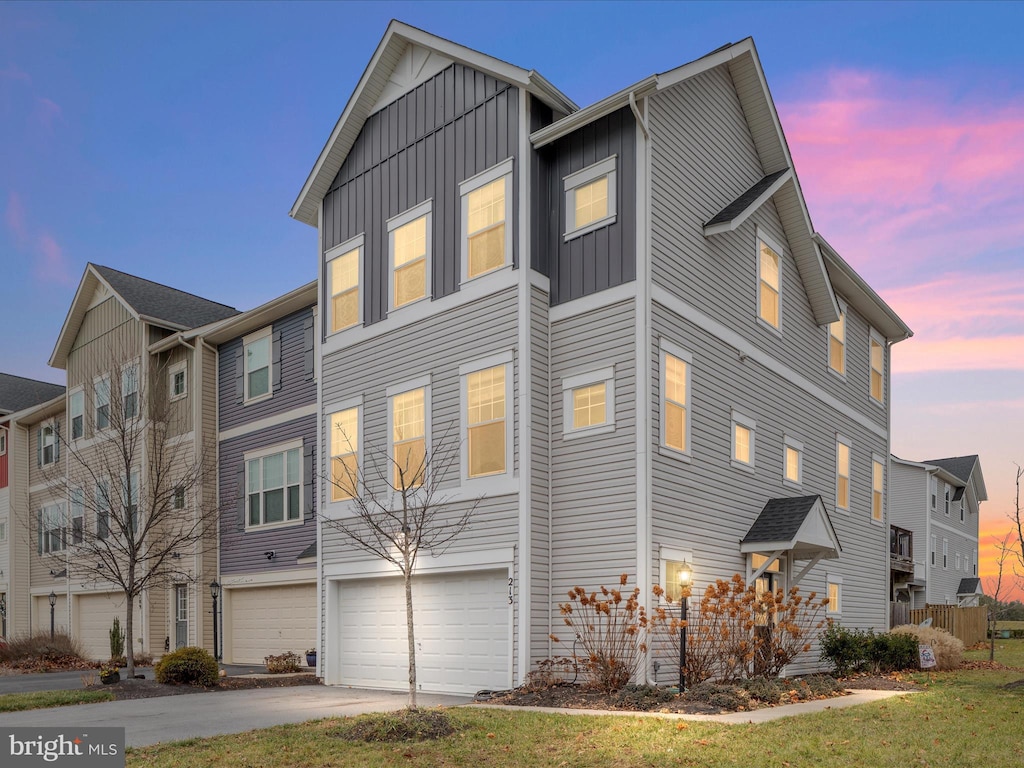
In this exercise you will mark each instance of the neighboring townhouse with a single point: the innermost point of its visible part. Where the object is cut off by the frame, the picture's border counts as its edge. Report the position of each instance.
(18, 398)
(120, 347)
(625, 321)
(937, 503)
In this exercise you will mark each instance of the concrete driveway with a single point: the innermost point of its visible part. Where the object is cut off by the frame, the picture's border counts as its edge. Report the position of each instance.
(173, 718)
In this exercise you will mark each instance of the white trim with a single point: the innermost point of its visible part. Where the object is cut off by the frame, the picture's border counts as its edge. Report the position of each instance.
(270, 421)
(491, 361)
(420, 382)
(841, 440)
(742, 420)
(743, 347)
(80, 391)
(487, 482)
(328, 504)
(642, 341)
(796, 445)
(182, 368)
(470, 560)
(263, 452)
(580, 178)
(424, 210)
(593, 302)
(268, 333)
(671, 554)
(877, 338)
(357, 244)
(504, 170)
(604, 376)
(96, 428)
(522, 582)
(836, 579)
(844, 315)
(269, 579)
(764, 237)
(954, 530)
(878, 459)
(666, 347)
(393, 392)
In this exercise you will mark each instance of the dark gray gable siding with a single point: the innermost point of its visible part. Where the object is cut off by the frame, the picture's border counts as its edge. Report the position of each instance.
(605, 257)
(241, 551)
(420, 147)
(292, 386)
(540, 116)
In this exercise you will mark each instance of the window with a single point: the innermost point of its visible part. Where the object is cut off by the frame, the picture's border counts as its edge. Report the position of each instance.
(3, 440)
(274, 487)
(48, 450)
(485, 422)
(130, 390)
(256, 352)
(408, 438)
(102, 509)
(178, 499)
(835, 595)
(130, 497)
(675, 411)
(957, 559)
(672, 562)
(837, 344)
(842, 474)
(974, 565)
(53, 532)
(769, 266)
(792, 461)
(934, 546)
(877, 486)
(102, 386)
(486, 216)
(343, 279)
(409, 235)
(588, 403)
(590, 198)
(76, 411)
(877, 368)
(344, 439)
(3, 531)
(947, 501)
(945, 553)
(933, 489)
(961, 510)
(743, 429)
(77, 515)
(178, 379)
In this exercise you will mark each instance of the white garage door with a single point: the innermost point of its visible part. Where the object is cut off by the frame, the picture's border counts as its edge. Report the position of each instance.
(95, 614)
(41, 614)
(462, 632)
(270, 620)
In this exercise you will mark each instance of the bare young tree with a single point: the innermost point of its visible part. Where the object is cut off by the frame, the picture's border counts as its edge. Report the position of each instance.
(133, 478)
(399, 509)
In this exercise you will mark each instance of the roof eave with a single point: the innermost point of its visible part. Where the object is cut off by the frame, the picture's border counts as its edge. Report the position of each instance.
(39, 411)
(737, 221)
(257, 317)
(572, 122)
(76, 313)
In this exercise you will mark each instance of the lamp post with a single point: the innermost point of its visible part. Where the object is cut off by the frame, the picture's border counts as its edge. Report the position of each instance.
(685, 577)
(53, 602)
(3, 615)
(215, 593)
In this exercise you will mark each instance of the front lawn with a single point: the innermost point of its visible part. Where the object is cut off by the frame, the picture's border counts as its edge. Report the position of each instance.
(962, 718)
(16, 702)
(1009, 653)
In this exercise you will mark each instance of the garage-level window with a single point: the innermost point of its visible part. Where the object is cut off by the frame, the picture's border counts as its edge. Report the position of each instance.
(274, 487)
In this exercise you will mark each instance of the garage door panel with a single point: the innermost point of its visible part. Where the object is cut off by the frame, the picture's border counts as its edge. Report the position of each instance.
(95, 614)
(271, 620)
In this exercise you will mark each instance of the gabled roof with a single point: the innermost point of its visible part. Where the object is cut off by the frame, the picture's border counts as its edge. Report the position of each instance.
(18, 393)
(798, 525)
(373, 85)
(736, 212)
(966, 468)
(145, 300)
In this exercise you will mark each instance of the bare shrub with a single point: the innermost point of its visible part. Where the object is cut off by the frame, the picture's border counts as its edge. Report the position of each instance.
(949, 650)
(39, 651)
(549, 673)
(283, 663)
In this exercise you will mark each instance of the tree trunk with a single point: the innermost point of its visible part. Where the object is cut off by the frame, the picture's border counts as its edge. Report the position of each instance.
(412, 640)
(129, 638)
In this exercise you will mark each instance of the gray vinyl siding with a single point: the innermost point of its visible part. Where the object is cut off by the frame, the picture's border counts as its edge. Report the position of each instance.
(420, 147)
(241, 550)
(908, 508)
(605, 257)
(540, 478)
(295, 389)
(593, 478)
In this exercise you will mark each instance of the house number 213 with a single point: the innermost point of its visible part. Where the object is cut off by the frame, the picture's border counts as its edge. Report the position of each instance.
(510, 601)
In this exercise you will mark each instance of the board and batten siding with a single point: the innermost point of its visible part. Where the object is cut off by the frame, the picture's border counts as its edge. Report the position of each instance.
(593, 477)
(421, 147)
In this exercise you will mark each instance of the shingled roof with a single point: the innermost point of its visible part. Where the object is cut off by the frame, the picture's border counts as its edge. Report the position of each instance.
(970, 586)
(798, 525)
(958, 466)
(17, 392)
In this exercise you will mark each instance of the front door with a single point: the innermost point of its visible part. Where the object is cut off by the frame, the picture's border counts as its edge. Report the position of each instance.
(767, 582)
(181, 616)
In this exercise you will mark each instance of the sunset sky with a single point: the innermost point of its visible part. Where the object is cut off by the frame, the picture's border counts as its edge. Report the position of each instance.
(170, 140)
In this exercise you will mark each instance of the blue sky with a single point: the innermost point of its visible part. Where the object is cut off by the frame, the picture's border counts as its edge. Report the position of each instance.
(169, 140)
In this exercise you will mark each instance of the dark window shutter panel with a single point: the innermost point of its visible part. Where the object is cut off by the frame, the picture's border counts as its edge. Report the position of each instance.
(39, 532)
(308, 348)
(39, 447)
(308, 473)
(276, 356)
(241, 497)
(240, 375)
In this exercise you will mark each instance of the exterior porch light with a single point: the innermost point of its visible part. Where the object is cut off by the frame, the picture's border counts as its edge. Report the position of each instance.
(685, 579)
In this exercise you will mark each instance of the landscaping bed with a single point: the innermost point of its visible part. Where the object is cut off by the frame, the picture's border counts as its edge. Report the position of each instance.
(146, 689)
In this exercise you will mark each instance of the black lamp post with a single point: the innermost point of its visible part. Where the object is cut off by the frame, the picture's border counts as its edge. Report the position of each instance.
(53, 602)
(3, 615)
(215, 593)
(685, 577)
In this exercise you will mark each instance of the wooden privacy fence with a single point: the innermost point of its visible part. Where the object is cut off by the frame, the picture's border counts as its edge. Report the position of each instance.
(968, 624)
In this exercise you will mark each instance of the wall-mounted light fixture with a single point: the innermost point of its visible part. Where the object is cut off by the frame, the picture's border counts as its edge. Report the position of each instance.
(270, 554)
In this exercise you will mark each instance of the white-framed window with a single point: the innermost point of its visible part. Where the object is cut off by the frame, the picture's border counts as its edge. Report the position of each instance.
(877, 362)
(48, 448)
(273, 483)
(961, 509)
(743, 430)
(934, 548)
(76, 413)
(957, 560)
(675, 399)
(974, 564)
(102, 497)
(408, 427)
(590, 198)
(486, 396)
(672, 561)
(588, 403)
(3, 531)
(945, 553)
(837, 343)
(344, 428)
(101, 388)
(792, 461)
(344, 271)
(53, 530)
(178, 497)
(409, 246)
(130, 498)
(933, 489)
(177, 380)
(257, 351)
(130, 390)
(947, 501)
(769, 281)
(3, 441)
(877, 488)
(843, 449)
(835, 595)
(487, 220)
(77, 506)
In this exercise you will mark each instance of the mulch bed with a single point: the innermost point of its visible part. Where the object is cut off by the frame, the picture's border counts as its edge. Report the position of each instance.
(146, 689)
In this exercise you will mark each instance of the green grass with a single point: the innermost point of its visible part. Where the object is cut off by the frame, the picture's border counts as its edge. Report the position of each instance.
(962, 718)
(1010, 624)
(1008, 652)
(16, 702)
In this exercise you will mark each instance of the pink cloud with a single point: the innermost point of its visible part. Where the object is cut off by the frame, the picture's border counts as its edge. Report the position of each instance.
(14, 218)
(50, 264)
(971, 354)
(46, 113)
(13, 73)
(962, 304)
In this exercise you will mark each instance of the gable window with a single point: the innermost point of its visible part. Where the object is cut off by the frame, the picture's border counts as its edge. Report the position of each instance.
(102, 509)
(932, 489)
(837, 344)
(877, 486)
(130, 390)
(344, 441)
(947, 501)
(408, 438)
(792, 461)
(842, 473)
(343, 278)
(48, 449)
(487, 435)
(769, 281)
(835, 595)
(52, 528)
(102, 393)
(486, 216)
(675, 410)
(877, 368)
(590, 198)
(743, 430)
(76, 413)
(77, 515)
(409, 235)
(588, 403)
(274, 483)
(256, 353)
(178, 380)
